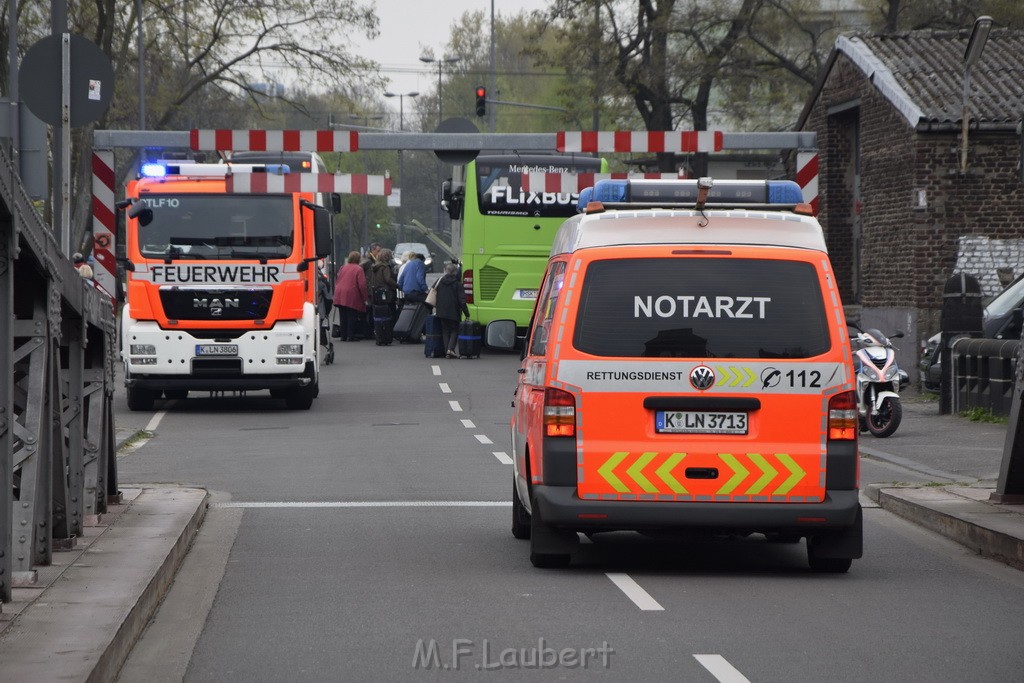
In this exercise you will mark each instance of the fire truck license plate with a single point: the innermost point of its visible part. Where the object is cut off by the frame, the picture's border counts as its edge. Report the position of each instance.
(699, 422)
(216, 349)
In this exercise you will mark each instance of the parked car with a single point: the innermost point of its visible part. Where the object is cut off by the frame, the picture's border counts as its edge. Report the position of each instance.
(419, 248)
(1001, 319)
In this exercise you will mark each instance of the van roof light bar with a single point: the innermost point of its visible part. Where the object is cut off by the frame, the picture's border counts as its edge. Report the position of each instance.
(705, 192)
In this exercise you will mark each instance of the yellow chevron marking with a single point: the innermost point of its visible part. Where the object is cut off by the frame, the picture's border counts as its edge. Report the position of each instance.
(739, 473)
(766, 468)
(665, 473)
(636, 472)
(606, 471)
(724, 376)
(751, 377)
(795, 474)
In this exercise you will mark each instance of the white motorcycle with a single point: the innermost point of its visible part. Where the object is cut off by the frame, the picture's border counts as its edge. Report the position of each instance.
(879, 381)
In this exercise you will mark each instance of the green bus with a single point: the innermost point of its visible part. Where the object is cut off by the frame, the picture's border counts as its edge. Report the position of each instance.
(503, 234)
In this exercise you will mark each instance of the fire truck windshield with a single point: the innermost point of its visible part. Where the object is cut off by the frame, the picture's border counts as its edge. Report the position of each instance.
(200, 226)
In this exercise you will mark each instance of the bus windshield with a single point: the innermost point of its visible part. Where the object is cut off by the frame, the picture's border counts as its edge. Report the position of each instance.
(197, 226)
(500, 192)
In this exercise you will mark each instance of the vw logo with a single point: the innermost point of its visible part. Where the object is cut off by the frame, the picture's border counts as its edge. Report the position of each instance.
(702, 377)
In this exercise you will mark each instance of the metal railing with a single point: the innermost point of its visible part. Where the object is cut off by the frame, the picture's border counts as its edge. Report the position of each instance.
(983, 374)
(57, 351)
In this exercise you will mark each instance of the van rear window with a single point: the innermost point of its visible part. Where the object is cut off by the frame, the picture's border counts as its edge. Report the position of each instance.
(701, 308)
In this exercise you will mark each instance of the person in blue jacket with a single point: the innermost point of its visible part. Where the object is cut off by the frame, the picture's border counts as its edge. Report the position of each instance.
(413, 280)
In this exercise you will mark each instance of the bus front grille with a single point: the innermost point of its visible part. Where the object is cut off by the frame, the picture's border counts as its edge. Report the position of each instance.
(491, 279)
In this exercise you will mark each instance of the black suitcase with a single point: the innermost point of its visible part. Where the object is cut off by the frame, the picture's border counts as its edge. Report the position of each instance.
(382, 324)
(409, 325)
(470, 339)
(433, 346)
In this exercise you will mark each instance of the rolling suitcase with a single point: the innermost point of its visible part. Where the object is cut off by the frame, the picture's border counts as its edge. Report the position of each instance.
(433, 346)
(409, 325)
(382, 324)
(470, 339)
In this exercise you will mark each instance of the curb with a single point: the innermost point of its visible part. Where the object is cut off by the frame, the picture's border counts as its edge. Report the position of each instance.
(990, 530)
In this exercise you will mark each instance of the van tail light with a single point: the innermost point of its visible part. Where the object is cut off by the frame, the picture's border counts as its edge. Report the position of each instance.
(559, 413)
(842, 417)
(467, 285)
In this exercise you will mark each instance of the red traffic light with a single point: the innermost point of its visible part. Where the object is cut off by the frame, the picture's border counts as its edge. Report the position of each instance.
(481, 100)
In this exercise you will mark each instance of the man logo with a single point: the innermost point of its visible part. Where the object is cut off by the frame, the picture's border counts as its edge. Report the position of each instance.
(702, 377)
(215, 306)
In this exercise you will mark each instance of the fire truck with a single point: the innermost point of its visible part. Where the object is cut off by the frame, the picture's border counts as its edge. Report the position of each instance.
(221, 285)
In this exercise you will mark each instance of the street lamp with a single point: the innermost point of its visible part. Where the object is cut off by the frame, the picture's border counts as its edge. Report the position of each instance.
(975, 46)
(401, 167)
(440, 67)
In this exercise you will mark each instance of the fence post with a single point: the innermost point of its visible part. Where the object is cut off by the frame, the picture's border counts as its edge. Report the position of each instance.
(961, 316)
(1010, 487)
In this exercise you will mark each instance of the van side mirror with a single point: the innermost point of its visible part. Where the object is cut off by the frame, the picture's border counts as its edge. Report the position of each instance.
(500, 334)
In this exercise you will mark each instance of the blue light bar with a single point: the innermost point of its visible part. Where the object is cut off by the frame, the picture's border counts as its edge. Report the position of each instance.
(586, 195)
(153, 170)
(683, 192)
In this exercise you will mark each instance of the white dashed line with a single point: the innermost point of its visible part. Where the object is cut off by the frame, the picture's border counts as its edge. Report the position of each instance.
(482, 438)
(634, 592)
(445, 389)
(503, 458)
(155, 422)
(468, 424)
(721, 669)
(455, 406)
(436, 369)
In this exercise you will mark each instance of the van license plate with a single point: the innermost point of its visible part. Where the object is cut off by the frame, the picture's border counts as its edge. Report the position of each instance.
(216, 349)
(525, 295)
(699, 422)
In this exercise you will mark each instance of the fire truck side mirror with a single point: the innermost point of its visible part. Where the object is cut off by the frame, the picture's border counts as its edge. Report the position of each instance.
(322, 232)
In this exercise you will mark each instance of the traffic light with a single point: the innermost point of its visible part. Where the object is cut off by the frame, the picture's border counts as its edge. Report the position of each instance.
(481, 100)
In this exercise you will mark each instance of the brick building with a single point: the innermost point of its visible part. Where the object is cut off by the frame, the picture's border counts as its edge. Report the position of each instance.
(900, 215)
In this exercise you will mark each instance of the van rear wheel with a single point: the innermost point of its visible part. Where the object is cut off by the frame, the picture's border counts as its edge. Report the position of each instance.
(550, 548)
(520, 517)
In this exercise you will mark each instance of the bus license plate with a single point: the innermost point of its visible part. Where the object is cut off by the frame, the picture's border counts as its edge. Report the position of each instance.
(525, 295)
(216, 349)
(699, 422)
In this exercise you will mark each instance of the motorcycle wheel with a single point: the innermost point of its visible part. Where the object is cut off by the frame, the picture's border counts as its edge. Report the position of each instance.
(887, 420)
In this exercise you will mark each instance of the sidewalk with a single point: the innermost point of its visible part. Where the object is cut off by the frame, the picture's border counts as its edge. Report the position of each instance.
(81, 619)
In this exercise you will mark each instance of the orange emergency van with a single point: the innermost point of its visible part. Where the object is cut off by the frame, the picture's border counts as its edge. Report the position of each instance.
(687, 369)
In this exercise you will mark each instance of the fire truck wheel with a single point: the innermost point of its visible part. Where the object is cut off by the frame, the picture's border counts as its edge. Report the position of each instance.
(301, 398)
(140, 399)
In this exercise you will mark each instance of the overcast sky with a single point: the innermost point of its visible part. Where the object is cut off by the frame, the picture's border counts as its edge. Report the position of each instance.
(409, 28)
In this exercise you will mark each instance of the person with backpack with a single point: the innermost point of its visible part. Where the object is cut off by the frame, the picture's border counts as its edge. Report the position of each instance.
(450, 307)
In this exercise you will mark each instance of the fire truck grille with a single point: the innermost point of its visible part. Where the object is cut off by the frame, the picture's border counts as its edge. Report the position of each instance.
(216, 304)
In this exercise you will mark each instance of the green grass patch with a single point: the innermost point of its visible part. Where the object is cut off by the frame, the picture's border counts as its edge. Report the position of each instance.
(979, 414)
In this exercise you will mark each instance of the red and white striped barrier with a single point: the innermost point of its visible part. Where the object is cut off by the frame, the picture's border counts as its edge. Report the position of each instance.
(104, 221)
(344, 183)
(223, 140)
(640, 141)
(807, 177)
(574, 182)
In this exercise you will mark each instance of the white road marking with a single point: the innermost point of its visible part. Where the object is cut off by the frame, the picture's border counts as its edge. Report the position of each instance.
(368, 504)
(155, 422)
(436, 369)
(634, 592)
(445, 389)
(482, 438)
(503, 458)
(721, 669)
(455, 406)
(468, 424)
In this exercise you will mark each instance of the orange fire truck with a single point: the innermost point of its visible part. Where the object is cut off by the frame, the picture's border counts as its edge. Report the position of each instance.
(221, 286)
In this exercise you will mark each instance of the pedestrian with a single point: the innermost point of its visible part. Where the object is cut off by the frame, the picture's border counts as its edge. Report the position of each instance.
(370, 258)
(413, 280)
(405, 259)
(82, 266)
(350, 296)
(382, 278)
(450, 307)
